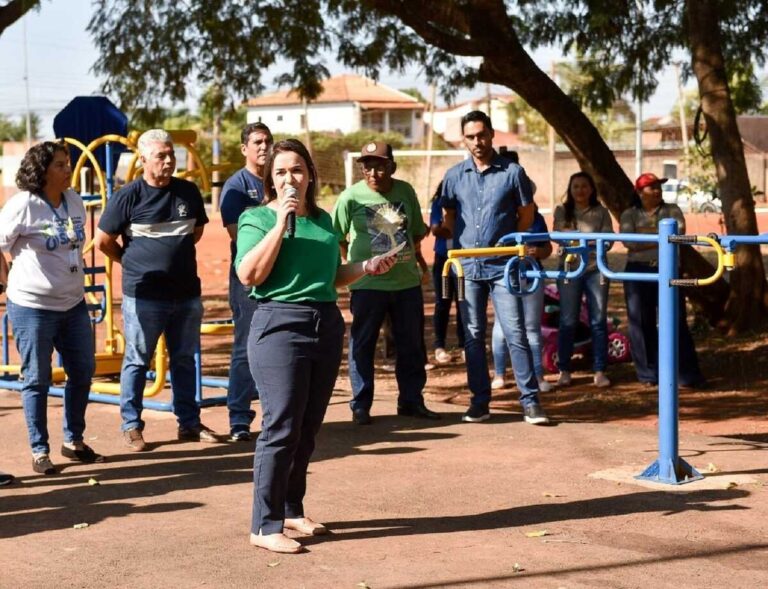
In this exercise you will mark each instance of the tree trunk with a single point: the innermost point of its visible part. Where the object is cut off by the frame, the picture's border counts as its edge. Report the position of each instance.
(746, 306)
(483, 28)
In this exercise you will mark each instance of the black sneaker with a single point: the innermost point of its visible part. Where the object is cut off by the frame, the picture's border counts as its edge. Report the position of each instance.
(5, 479)
(420, 411)
(85, 454)
(361, 417)
(240, 435)
(535, 415)
(476, 414)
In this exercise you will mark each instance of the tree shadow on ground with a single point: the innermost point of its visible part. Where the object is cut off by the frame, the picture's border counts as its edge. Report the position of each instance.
(61, 501)
(662, 503)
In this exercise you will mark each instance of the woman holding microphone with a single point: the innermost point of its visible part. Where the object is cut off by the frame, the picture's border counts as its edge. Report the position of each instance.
(297, 331)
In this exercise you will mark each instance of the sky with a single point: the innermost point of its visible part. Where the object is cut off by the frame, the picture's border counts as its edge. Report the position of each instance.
(60, 55)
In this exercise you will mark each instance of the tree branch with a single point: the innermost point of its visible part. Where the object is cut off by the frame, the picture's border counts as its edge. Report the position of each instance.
(433, 22)
(14, 10)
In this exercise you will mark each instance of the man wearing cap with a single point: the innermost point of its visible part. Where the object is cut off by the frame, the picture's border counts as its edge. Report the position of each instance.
(242, 190)
(375, 215)
(642, 298)
(486, 197)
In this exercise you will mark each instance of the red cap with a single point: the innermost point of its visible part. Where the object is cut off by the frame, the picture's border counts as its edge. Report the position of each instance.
(647, 179)
(377, 149)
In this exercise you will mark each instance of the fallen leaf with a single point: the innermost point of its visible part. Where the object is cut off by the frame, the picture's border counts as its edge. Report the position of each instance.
(93, 482)
(517, 568)
(363, 585)
(80, 526)
(711, 468)
(273, 564)
(537, 534)
(552, 495)
(731, 485)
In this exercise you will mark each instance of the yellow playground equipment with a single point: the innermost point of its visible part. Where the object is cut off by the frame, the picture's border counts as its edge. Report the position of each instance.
(100, 296)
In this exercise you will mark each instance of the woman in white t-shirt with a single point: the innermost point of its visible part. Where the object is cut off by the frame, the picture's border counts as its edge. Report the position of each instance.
(43, 228)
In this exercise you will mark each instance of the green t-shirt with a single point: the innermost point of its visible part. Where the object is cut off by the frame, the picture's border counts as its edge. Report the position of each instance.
(374, 223)
(305, 268)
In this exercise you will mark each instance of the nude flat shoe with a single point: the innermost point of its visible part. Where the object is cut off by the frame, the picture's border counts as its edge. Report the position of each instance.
(305, 526)
(276, 543)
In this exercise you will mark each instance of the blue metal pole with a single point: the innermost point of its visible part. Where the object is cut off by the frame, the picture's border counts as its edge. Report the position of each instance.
(669, 467)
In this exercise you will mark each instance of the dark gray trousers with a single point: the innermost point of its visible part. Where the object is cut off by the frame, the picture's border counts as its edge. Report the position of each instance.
(294, 352)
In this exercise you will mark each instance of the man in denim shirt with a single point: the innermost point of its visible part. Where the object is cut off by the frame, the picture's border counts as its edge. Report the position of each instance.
(485, 198)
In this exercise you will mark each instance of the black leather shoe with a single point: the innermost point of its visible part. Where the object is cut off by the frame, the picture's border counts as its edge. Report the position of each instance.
(361, 417)
(419, 411)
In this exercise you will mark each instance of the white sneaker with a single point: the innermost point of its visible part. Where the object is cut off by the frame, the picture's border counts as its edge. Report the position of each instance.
(601, 380)
(544, 386)
(564, 380)
(497, 382)
(442, 356)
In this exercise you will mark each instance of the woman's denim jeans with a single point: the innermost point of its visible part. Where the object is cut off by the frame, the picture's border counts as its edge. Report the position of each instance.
(37, 333)
(596, 288)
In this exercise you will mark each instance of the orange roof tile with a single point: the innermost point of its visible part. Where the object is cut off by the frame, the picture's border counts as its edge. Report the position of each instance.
(345, 88)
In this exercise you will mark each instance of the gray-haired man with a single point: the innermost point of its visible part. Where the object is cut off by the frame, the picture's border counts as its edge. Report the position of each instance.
(158, 219)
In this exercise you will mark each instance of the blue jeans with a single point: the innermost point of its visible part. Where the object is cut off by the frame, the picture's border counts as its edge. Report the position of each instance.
(241, 390)
(145, 320)
(642, 299)
(442, 313)
(37, 332)
(533, 307)
(596, 288)
(406, 310)
(509, 311)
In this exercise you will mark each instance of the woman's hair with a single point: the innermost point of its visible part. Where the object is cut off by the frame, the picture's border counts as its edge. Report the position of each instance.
(297, 147)
(570, 205)
(34, 164)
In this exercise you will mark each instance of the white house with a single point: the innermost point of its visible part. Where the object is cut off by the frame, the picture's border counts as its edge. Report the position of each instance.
(347, 104)
(446, 121)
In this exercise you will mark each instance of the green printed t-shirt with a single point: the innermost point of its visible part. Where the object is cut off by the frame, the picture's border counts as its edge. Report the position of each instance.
(305, 268)
(374, 223)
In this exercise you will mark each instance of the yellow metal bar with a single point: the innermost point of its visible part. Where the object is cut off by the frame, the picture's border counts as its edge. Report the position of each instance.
(721, 259)
(161, 367)
(57, 373)
(217, 328)
(456, 266)
(485, 252)
(88, 154)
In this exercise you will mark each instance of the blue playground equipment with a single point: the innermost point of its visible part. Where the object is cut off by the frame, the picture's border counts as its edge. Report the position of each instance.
(668, 468)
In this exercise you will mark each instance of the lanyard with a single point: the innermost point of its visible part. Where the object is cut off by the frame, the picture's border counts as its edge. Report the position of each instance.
(70, 228)
(74, 257)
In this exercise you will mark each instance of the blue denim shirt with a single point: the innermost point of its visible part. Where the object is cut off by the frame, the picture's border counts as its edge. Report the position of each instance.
(486, 206)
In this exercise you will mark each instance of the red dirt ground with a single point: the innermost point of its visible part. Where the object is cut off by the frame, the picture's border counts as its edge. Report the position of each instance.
(413, 504)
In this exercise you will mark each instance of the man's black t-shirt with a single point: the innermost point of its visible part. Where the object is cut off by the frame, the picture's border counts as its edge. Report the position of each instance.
(157, 227)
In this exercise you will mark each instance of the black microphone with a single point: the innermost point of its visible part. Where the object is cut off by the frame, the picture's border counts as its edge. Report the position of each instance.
(291, 192)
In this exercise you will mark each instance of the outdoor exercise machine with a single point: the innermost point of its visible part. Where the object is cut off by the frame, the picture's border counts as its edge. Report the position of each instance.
(100, 297)
(523, 275)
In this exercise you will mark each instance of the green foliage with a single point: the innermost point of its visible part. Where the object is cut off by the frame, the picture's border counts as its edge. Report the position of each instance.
(11, 130)
(700, 169)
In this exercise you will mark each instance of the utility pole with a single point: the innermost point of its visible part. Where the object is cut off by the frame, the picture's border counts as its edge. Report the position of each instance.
(430, 132)
(26, 81)
(681, 108)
